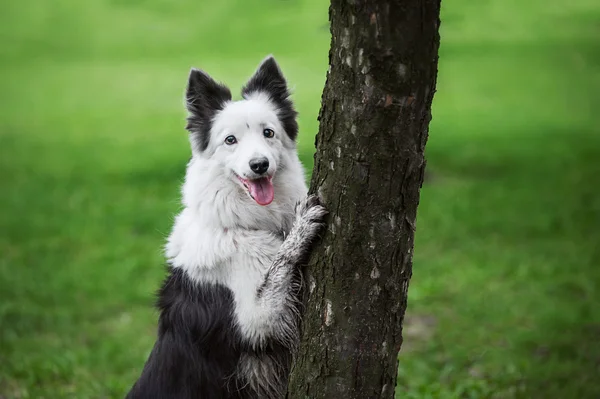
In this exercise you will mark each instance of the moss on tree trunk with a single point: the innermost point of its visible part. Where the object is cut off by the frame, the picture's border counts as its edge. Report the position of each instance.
(369, 166)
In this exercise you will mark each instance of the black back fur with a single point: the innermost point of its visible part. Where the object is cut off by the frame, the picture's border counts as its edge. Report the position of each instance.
(198, 346)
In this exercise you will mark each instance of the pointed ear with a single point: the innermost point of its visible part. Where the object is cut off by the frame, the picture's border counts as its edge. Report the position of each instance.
(204, 97)
(269, 80)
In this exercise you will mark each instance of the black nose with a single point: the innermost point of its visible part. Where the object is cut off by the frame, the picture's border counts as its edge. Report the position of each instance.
(259, 165)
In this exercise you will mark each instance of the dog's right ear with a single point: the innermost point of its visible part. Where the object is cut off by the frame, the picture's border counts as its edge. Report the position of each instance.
(204, 97)
(269, 79)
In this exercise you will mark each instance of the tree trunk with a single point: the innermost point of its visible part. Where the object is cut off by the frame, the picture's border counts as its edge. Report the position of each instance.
(369, 167)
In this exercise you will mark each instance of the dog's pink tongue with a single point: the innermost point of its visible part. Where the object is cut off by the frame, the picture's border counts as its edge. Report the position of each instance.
(261, 190)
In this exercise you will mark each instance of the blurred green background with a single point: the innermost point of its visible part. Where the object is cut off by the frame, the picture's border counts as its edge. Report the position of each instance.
(504, 301)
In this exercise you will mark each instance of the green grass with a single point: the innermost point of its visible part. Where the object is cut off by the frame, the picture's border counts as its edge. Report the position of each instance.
(505, 290)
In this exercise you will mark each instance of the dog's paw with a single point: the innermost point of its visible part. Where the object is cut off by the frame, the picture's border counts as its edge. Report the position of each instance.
(310, 209)
(310, 221)
(310, 218)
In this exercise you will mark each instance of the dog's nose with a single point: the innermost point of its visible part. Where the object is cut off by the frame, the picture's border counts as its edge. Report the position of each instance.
(259, 165)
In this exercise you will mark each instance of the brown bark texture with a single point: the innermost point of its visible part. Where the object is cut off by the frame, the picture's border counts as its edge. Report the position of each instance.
(369, 166)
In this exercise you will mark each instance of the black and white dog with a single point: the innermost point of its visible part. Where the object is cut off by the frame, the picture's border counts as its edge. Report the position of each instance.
(229, 310)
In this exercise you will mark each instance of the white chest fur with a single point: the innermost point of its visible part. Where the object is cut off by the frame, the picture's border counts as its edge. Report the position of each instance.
(235, 258)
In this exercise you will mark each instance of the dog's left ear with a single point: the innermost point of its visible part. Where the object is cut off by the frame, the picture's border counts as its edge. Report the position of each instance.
(204, 97)
(268, 79)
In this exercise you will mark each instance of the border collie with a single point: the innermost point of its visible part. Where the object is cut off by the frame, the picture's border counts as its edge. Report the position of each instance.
(229, 307)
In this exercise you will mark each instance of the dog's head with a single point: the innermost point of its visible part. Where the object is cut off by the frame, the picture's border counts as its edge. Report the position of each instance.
(247, 137)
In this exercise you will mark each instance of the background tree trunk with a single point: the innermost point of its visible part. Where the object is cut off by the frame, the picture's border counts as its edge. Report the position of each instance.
(369, 167)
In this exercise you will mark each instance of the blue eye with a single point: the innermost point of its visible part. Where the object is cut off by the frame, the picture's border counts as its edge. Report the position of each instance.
(229, 140)
(268, 133)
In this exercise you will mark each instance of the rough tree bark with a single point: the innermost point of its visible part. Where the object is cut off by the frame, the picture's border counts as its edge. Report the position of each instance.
(369, 166)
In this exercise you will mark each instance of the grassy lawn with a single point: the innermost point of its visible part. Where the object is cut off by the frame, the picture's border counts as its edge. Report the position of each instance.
(505, 296)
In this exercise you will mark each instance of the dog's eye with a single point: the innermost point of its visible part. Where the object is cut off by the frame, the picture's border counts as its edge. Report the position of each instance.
(229, 140)
(268, 133)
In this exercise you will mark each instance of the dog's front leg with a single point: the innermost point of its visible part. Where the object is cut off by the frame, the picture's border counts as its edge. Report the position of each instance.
(279, 291)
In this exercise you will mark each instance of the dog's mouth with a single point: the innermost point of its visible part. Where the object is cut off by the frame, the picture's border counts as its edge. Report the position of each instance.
(261, 189)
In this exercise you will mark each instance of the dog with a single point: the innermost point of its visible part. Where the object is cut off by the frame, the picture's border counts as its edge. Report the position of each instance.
(229, 306)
